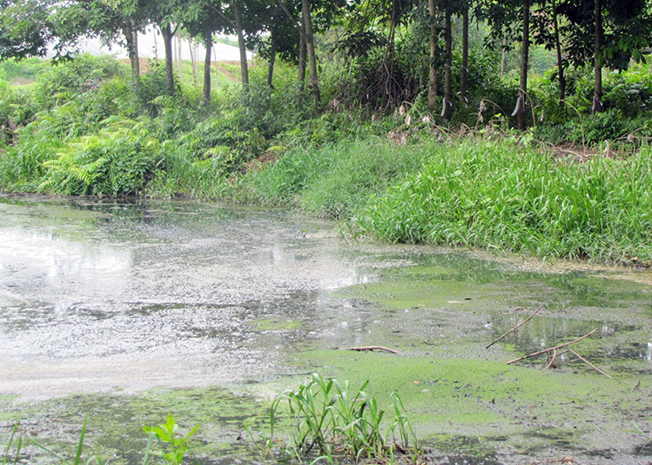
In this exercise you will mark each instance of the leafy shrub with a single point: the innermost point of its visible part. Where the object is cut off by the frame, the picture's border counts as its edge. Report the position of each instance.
(152, 84)
(116, 161)
(80, 75)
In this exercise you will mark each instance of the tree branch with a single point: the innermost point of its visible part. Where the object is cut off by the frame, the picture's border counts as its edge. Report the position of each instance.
(552, 348)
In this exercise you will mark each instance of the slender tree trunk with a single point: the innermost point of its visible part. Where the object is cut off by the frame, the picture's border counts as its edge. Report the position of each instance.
(522, 91)
(131, 37)
(179, 59)
(208, 43)
(303, 52)
(447, 110)
(244, 67)
(272, 60)
(310, 45)
(432, 82)
(166, 31)
(560, 60)
(217, 70)
(193, 62)
(503, 55)
(597, 93)
(464, 78)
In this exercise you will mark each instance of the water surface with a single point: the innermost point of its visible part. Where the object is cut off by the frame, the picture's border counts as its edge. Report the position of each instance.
(109, 307)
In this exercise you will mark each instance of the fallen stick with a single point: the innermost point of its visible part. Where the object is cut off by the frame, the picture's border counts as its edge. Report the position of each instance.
(552, 348)
(362, 349)
(589, 363)
(517, 326)
(552, 360)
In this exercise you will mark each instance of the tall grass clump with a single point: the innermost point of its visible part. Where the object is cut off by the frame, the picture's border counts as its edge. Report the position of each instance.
(336, 179)
(504, 196)
(331, 420)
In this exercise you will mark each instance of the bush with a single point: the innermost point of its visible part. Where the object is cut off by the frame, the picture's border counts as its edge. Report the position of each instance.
(117, 161)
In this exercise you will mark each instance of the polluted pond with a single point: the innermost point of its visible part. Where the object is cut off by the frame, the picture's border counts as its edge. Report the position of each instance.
(122, 315)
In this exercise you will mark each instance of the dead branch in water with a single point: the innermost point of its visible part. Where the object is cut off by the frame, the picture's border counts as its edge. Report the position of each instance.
(589, 363)
(553, 359)
(545, 351)
(517, 326)
(370, 348)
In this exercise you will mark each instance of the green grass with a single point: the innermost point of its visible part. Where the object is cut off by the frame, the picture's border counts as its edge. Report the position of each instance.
(336, 179)
(339, 422)
(499, 195)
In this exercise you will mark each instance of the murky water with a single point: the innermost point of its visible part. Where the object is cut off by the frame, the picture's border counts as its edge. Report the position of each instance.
(122, 299)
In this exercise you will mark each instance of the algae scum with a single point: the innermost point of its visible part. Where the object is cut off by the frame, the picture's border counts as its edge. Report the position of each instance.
(125, 312)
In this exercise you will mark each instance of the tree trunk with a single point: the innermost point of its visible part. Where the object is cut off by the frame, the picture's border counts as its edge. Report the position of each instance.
(217, 70)
(272, 59)
(522, 91)
(447, 110)
(560, 60)
(303, 52)
(208, 43)
(432, 82)
(131, 37)
(464, 78)
(193, 62)
(166, 31)
(310, 46)
(179, 59)
(244, 67)
(503, 55)
(597, 93)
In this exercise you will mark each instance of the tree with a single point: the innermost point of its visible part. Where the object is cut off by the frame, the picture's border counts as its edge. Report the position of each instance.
(117, 22)
(201, 20)
(505, 18)
(464, 78)
(306, 21)
(433, 36)
(25, 28)
(166, 15)
(605, 33)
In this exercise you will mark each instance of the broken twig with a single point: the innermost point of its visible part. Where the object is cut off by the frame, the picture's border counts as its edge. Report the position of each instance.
(589, 363)
(370, 348)
(552, 348)
(553, 359)
(517, 326)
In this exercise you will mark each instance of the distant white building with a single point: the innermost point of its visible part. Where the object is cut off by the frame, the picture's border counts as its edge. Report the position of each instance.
(150, 45)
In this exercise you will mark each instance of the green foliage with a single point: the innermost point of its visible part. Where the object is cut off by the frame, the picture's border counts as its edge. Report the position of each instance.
(14, 446)
(17, 438)
(152, 84)
(81, 75)
(336, 421)
(174, 445)
(116, 161)
(29, 69)
(494, 195)
(335, 180)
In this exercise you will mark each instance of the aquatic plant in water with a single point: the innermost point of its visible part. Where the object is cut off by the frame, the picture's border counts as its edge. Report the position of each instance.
(337, 422)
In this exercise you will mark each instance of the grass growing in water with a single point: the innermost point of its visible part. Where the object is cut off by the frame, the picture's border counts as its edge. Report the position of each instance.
(173, 446)
(507, 197)
(337, 422)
